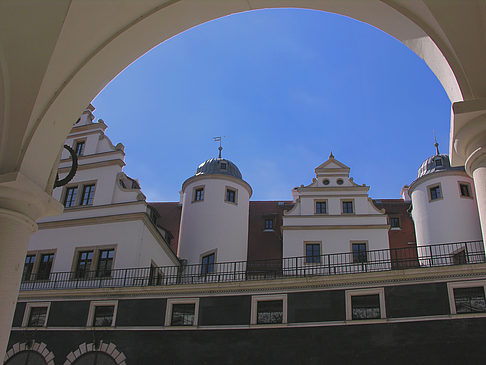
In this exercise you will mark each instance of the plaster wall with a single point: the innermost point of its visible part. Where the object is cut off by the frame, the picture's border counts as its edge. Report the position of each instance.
(451, 218)
(213, 223)
(332, 240)
(133, 246)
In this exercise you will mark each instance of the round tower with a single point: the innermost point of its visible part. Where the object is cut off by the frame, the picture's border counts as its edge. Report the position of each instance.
(444, 208)
(214, 220)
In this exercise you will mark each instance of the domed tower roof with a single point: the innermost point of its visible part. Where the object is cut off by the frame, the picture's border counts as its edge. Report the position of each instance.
(219, 166)
(436, 163)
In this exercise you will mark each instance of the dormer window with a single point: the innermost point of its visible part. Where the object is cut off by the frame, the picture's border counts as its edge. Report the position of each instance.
(223, 165)
(438, 163)
(79, 148)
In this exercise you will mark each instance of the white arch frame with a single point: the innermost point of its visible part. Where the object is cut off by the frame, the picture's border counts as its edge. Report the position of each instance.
(107, 348)
(40, 348)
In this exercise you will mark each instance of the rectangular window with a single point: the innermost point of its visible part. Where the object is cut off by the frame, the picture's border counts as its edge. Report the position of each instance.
(88, 194)
(183, 314)
(156, 275)
(395, 222)
(36, 314)
(230, 196)
(70, 197)
(348, 207)
(459, 258)
(321, 208)
(269, 309)
(199, 194)
(268, 223)
(438, 163)
(223, 165)
(28, 267)
(79, 149)
(45, 266)
(105, 262)
(83, 265)
(435, 193)
(465, 190)
(37, 317)
(365, 306)
(207, 264)
(103, 315)
(469, 299)
(312, 253)
(359, 252)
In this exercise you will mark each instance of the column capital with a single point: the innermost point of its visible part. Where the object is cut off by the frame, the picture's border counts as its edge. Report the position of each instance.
(24, 200)
(468, 133)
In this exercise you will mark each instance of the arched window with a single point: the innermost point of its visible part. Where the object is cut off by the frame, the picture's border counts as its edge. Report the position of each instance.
(26, 358)
(95, 358)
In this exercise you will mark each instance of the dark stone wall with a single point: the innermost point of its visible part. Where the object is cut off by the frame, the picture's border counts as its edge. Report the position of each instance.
(18, 314)
(459, 341)
(416, 300)
(68, 314)
(229, 310)
(316, 306)
(141, 312)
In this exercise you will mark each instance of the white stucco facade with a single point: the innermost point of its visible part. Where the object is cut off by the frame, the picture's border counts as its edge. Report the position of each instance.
(212, 224)
(335, 213)
(105, 215)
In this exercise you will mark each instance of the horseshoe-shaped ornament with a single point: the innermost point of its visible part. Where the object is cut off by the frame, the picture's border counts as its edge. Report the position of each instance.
(72, 172)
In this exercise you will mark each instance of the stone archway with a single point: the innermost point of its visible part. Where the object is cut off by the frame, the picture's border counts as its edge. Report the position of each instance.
(34, 353)
(56, 56)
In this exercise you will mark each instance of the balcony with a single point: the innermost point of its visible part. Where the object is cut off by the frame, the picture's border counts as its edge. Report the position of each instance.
(459, 253)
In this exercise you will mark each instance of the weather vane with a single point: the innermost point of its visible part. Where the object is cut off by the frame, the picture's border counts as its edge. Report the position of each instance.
(218, 139)
(436, 144)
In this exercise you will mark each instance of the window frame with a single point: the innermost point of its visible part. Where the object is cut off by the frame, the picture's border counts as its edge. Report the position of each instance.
(306, 243)
(93, 270)
(28, 309)
(355, 242)
(352, 206)
(195, 189)
(75, 146)
(37, 261)
(80, 186)
(459, 184)
(359, 292)
(207, 254)
(90, 194)
(169, 308)
(265, 228)
(316, 201)
(429, 192)
(268, 297)
(399, 223)
(464, 284)
(233, 189)
(101, 303)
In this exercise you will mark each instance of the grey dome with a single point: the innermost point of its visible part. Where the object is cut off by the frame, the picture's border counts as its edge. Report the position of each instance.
(436, 163)
(218, 166)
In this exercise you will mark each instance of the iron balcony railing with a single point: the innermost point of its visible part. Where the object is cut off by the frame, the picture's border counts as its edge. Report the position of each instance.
(323, 265)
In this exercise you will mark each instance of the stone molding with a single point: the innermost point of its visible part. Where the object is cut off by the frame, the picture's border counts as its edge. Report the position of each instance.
(107, 348)
(40, 348)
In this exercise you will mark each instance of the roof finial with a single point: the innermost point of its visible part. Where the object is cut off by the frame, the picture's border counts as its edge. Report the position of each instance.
(218, 139)
(436, 144)
(331, 155)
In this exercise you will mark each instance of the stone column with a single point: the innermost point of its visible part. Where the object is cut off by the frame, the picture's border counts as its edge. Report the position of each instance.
(468, 148)
(21, 203)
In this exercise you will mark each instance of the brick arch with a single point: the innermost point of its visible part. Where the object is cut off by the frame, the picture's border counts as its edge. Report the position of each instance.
(40, 348)
(107, 348)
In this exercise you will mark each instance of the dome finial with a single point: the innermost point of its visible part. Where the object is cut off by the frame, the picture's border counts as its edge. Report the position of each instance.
(436, 144)
(218, 139)
(331, 155)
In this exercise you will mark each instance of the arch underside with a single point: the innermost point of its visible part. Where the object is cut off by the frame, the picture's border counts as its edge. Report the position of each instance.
(76, 48)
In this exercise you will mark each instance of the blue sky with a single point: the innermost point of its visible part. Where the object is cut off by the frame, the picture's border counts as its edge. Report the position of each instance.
(285, 87)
